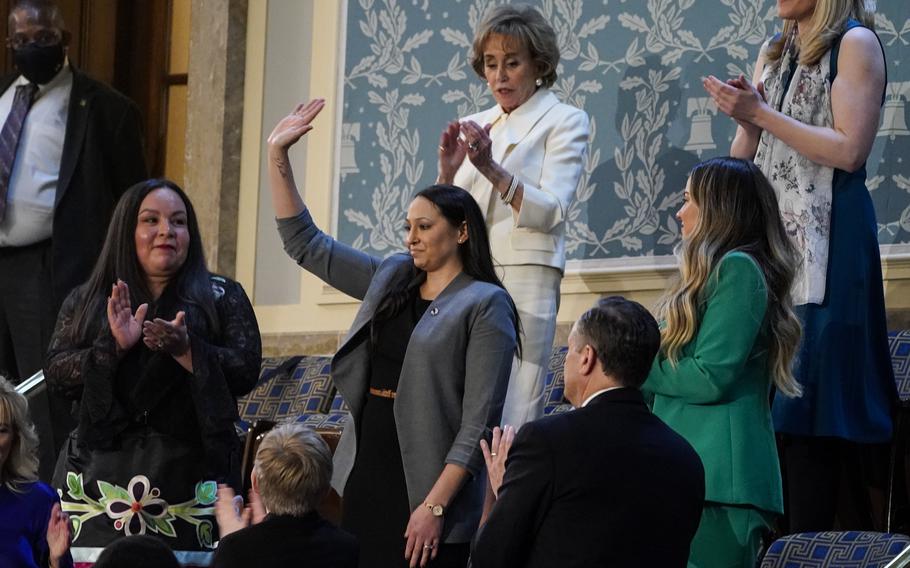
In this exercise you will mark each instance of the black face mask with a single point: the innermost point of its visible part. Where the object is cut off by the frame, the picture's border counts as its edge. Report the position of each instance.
(39, 64)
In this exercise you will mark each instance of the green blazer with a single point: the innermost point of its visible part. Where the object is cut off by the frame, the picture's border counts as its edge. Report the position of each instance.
(717, 395)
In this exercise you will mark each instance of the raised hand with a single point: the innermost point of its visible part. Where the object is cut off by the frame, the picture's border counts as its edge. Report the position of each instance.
(495, 455)
(126, 327)
(292, 127)
(452, 151)
(59, 535)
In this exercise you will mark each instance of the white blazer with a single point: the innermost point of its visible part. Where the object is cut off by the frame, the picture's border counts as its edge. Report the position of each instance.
(543, 142)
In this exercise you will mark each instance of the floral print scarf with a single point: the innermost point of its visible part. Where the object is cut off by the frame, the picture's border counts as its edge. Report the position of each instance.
(803, 187)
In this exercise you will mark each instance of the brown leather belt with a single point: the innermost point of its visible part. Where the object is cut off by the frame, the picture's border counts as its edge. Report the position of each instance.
(384, 393)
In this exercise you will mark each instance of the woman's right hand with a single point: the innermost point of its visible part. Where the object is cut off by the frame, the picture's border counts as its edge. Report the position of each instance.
(292, 127)
(452, 152)
(126, 327)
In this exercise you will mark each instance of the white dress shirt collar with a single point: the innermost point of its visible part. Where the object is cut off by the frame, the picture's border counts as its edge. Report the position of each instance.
(595, 395)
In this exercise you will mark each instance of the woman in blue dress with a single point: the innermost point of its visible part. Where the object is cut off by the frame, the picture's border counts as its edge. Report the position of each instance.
(34, 532)
(809, 121)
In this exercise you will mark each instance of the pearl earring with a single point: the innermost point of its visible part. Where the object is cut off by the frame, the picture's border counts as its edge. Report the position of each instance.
(538, 82)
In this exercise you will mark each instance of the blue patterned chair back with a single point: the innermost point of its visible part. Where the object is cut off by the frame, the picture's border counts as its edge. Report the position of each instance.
(289, 388)
(899, 343)
(335, 419)
(851, 549)
(554, 383)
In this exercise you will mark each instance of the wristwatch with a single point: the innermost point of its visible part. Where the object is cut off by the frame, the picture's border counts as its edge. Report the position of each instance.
(437, 510)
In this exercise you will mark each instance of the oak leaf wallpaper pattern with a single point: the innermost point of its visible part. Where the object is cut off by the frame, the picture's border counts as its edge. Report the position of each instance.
(633, 65)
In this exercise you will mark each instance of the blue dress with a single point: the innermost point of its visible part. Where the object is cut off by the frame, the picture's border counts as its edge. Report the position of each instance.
(843, 362)
(23, 526)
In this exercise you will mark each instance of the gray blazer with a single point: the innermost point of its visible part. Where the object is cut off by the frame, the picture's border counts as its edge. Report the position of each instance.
(453, 378)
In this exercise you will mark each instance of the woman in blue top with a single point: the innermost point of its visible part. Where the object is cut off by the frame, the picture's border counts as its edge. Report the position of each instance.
(34, 532)
(809, 123)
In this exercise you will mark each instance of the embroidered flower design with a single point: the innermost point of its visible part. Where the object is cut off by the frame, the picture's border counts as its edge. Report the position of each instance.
(141, 508)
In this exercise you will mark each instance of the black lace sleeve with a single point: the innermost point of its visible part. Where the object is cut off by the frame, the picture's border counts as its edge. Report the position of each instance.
(238, 354)
(81, 370)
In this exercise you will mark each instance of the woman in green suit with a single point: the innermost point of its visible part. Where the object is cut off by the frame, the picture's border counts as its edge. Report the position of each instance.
(728, 334)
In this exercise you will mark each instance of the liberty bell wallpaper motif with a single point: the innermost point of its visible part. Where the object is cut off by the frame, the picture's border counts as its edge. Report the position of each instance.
(634, 66)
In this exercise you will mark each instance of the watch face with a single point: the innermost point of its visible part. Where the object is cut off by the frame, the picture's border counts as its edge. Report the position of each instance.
(437, 510)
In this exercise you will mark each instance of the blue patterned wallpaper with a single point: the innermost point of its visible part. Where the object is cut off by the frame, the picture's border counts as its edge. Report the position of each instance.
(633, 65)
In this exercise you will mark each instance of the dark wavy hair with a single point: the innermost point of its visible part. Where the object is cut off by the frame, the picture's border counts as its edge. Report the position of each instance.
(458, 207)
(119, 260)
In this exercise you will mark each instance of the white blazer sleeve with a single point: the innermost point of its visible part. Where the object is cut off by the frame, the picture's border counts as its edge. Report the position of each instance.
(545, 205)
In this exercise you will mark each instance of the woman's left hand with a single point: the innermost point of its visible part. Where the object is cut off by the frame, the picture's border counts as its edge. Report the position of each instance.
(495, 455)
(479, 145)
(59, 534)
(740, 99)
(168, 336)
(422, 536)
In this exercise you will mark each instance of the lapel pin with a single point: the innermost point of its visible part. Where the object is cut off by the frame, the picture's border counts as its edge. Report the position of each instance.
(434, 310)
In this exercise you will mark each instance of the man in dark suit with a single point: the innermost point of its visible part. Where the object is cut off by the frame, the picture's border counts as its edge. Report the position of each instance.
(607, 484)
(290, 478)
(70, 146)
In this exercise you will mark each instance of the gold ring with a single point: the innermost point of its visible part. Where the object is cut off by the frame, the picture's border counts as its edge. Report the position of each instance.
(493, 454)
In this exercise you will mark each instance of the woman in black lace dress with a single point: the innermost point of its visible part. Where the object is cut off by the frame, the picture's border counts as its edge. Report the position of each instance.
(155, 349)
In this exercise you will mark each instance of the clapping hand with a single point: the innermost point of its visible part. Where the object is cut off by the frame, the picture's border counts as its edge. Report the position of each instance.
(496, 453)
(230, 514)
(59, 535)
(452, 151)
(126, 327)
(170, 337)
(738, 98)
(479, 145)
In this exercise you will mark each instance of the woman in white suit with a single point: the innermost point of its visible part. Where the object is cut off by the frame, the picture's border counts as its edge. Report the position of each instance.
(524, 161)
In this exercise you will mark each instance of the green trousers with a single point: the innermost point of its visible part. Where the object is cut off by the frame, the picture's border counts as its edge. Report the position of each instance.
(729, 537)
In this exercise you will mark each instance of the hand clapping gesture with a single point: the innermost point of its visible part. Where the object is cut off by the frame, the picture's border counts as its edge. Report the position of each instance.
(168, 336)
(231, 514)
(126, 327)
(59, 535)
(476, 145)
(452, 151)
(737, 98)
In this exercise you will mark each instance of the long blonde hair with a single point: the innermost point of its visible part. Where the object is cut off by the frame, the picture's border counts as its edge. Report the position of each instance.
(828, 23)
(21, 465)
(737, 212)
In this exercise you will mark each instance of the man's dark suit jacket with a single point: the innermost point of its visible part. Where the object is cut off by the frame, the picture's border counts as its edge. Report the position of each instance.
(102, 157)
(604, 485)
(283, 540)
